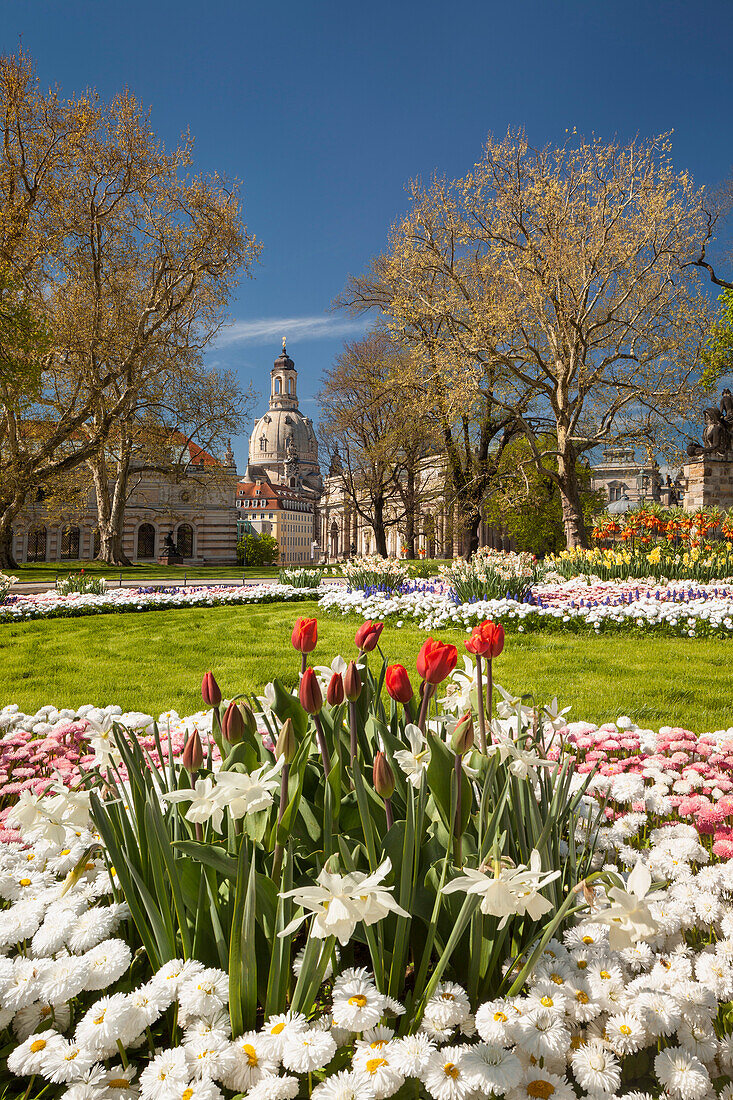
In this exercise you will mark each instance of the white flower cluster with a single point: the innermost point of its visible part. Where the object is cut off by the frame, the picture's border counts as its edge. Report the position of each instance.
(589, 1011)
(434, 609)
(53, 604)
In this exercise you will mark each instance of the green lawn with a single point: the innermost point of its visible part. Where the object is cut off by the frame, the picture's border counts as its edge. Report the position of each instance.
(48, 571)
(155, 661)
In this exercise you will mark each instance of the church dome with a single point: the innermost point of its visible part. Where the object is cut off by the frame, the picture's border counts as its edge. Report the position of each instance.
(283, 442)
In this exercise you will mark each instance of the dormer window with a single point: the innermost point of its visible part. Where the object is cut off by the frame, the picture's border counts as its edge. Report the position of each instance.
(263, 442)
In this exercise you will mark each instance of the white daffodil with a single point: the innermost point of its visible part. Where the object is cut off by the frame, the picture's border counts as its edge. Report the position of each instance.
(524, 762)
(555, 717)
(509, 891)
(629, 918)
(340, 902)
(461, 689)
(247, 792)
(35, 816)
(101, 741)
(508, 706)
(414, 761)
(204, 804)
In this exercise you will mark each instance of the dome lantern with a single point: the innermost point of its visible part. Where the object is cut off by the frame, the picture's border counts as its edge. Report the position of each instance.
(283, 384)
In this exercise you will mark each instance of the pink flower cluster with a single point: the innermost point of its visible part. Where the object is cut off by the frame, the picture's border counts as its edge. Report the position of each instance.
(31, 763)
(697, 773)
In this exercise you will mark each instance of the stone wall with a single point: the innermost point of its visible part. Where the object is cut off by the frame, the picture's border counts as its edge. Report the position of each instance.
(709, 483)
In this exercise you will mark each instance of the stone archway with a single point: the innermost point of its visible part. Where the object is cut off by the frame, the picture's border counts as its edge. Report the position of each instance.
(334, 533)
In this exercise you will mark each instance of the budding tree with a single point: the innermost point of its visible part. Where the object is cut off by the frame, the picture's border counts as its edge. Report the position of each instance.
(570, 274)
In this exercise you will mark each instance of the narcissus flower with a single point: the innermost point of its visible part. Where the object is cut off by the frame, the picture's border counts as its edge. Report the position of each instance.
(509, 891)
(436, 660)
(305, 635)
(367, 636)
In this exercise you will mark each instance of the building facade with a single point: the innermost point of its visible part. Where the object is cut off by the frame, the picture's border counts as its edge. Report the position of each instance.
(195, 504)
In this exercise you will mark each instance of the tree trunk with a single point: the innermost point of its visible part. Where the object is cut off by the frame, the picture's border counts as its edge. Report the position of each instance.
(572, 509)
(410, 509)
(7, 515)
(380, 535)
(111, 508)
(473, 527)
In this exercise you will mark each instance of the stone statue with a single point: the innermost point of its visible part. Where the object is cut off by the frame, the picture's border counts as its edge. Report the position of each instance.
(717, 436)
(169, 546)
(726, 407)
(291, 456)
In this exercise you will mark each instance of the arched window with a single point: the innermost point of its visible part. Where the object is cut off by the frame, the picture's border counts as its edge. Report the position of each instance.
(97, 542)
(184, 540)
(263, 442)
(146, 541)
(36, 544)
(290, 385)
(70, 544)
(277, 385)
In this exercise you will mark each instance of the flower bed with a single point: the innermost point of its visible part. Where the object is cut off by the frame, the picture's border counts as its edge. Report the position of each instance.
(339, 899)
(674, 608)
(53, 605)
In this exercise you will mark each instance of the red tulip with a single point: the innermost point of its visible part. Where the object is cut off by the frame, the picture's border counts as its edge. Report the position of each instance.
(383, 776)
(487, 639)
(305, 635)
(232, 724)
(398, 684)
(367, 635)
(352, 682)
(310, 691)
(436, 661)
(193, 753)
(335, 692)
(210, 690)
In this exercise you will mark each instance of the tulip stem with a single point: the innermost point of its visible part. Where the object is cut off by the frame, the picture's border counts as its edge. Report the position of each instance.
(489, 689)
(388, 812)
(481, 713)
(321, 739)
(457, 839)
(352, 730)
(427, 691)
(303, 663)
(277, 861)
(408, 711)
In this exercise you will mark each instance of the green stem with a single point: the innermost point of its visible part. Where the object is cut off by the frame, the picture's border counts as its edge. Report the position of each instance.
(481, 713)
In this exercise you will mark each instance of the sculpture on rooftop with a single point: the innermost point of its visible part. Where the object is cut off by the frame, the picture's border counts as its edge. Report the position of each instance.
(717, 436)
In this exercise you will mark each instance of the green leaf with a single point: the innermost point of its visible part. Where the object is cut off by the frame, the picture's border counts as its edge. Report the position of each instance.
(440, 771)
(287, 706)
(210, 854)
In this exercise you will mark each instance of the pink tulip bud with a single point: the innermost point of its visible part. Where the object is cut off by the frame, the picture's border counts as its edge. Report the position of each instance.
(352, 682)
(462, 737)
(335, 692)
(210, 690)
(193, 753)
(232, 725)
(310, 692)
(383, 776)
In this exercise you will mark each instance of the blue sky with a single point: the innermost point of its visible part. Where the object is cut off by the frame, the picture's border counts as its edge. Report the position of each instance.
(325, 110)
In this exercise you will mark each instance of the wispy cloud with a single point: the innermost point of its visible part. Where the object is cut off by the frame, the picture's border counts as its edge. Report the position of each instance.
(267, 330)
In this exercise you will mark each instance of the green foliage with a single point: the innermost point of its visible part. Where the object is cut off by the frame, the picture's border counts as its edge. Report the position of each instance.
(257, 550)
(525, 502)
(23, 340)
(81, 582)
(217, 890)
(301, 578)
(718, 350)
